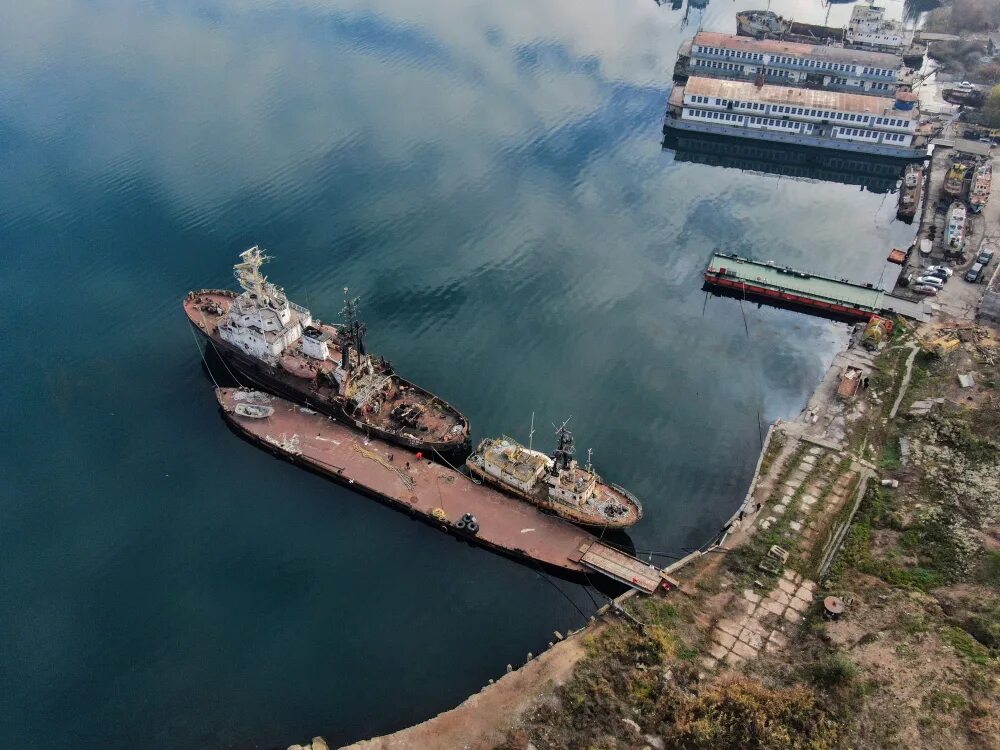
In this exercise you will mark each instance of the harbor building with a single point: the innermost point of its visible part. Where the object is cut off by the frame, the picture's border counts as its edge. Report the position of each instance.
(821, 66)
(806, 117)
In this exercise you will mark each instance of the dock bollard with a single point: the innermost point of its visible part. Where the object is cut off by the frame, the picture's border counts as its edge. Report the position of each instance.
(509, 669)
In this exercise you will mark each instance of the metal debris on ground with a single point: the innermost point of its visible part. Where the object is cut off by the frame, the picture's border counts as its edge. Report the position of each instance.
(966, 380)
(922, 407)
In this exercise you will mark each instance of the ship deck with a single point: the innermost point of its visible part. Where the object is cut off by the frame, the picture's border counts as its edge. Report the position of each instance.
(835, 296)
(426, 489)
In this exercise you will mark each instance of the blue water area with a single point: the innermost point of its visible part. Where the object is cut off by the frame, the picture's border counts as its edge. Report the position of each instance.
(489, 178)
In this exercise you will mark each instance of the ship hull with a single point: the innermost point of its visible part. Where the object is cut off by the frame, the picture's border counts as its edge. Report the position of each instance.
(274, 380)
(548, 507)
(826, 144)
(909, 196)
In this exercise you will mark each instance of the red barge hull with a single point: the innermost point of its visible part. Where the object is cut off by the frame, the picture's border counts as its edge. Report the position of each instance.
(437, 494)
(748, 288)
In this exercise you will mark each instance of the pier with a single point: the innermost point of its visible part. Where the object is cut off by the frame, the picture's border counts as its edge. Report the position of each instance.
(786, 286)
(439, 495)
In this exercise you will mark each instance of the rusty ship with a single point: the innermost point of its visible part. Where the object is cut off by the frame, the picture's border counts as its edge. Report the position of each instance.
(278, 346)
(979, 192)
(556, 484)
(910, 191)
(954, 180)
(432, 492)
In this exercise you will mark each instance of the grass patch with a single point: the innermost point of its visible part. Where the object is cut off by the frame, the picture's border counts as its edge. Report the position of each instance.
(833, 670)
(966, 645)
(988, 570)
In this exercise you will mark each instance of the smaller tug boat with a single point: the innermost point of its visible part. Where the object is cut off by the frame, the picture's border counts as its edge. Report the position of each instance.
(954, 181)
(954, 231)
(982, 181)
(558, 484)
(909, 192)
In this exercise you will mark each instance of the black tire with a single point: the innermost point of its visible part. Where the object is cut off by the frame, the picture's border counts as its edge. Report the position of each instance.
(472, 528)
(460, 524)
(468, 518)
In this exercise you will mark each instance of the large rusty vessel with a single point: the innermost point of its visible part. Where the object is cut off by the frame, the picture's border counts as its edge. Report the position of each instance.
(278, 346)
(557, 485)
(432, 492)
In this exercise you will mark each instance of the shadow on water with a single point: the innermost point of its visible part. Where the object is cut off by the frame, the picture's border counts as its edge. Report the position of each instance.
(875, 174)
(762, 301)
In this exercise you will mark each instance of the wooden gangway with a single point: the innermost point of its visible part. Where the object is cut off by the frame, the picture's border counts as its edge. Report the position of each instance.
(622, 567)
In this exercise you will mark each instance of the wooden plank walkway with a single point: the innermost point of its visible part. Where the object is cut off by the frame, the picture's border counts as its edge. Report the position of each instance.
(622, 567)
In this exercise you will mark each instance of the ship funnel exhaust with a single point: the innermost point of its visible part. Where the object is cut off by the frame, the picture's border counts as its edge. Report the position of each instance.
(345, 355)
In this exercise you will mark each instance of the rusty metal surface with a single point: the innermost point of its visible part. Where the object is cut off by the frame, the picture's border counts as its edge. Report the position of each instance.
(417, 485)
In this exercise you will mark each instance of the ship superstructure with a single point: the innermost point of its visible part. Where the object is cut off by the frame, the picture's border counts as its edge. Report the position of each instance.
(276, 344)
(869, 28)
(557, 484)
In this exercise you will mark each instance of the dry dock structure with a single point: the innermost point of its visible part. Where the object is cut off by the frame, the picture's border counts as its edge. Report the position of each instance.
(787, 286)
(435, 493)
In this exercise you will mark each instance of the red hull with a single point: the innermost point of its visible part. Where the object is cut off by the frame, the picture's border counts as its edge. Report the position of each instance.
(788, 297)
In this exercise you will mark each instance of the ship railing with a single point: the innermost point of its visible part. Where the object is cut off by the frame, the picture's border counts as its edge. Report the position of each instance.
(298, 308)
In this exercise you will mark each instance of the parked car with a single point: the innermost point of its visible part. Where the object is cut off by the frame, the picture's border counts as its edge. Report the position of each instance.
(985, 257)
(940, 269)
(937, 273)
(930, 280)
(925, 289)
(974, 273)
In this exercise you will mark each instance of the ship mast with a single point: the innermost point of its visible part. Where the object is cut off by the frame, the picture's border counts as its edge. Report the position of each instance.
(531, 432)
(563, 456)
(248, 273)
(356, 330)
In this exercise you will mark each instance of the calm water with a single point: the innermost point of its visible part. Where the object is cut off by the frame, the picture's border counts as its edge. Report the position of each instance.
(488, 176)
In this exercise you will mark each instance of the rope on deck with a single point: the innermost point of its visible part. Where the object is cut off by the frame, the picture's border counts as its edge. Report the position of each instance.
(405, 478)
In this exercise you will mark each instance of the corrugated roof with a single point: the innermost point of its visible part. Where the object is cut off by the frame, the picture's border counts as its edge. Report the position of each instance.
(747, 91)
(826, 52)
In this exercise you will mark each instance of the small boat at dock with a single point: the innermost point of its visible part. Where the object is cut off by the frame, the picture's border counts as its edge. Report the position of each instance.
(982, 182)
(557, 485)
(909, 192)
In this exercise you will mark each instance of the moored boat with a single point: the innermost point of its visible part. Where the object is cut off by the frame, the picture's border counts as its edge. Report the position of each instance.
(954, 180)
(761, 24)
(557, 484)
(910, 191)
(954, 231)
(982, 182)
(277, 345)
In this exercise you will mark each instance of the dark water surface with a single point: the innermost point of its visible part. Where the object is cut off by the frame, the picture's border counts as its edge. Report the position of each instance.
(488, 176)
